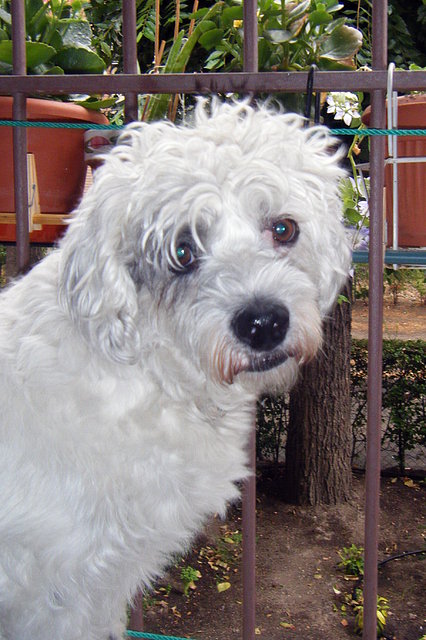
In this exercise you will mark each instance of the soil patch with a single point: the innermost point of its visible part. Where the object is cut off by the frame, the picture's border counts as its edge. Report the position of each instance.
(403, 321)
(300, 589)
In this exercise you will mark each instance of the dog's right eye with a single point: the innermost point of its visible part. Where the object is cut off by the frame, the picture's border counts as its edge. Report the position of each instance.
(285, 231)
(184, 255)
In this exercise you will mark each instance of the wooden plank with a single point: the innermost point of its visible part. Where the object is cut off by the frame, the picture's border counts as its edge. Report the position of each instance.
(38, 218)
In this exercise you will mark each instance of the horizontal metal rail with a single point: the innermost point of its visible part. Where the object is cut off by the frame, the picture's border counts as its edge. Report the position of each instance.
(392, 256)
(242, 83)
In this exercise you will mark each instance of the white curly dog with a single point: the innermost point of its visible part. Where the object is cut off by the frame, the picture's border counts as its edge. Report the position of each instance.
(195, 275)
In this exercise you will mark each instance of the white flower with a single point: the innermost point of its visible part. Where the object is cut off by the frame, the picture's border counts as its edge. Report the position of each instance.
(344, 105)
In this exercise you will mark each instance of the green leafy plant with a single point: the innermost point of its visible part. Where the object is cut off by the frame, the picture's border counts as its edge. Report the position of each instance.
(176, 62)
(352, 560)
(360, 284)
(292, 36)
(189, 577)
(382, 613)
(417, 279)
(59, 39)
(403, 398)
(406, 22)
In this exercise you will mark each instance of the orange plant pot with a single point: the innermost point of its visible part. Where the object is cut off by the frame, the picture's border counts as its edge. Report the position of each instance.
(411, 177)
(59, 161)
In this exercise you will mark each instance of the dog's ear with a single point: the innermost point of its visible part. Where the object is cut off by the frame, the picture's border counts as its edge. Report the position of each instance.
(333, 266)
(95, 286)
(330, 245)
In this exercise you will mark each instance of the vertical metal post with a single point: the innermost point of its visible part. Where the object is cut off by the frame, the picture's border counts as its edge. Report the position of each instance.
(249, 494)
(250, 50)
(136, 613)
(130, 65)
(130, 58)
(249, 544)
(375, 330)
(19, 112)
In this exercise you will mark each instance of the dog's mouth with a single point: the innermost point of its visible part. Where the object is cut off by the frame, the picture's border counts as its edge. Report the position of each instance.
(265, 362)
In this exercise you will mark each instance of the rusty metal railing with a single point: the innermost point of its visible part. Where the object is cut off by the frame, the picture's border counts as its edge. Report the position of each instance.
(250, 81)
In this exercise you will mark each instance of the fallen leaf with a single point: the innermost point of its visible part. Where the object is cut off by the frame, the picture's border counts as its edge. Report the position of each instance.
(223, 586)
(257, 631)
(409, 483)
(344, 622)
(287, 625)
(337, 591)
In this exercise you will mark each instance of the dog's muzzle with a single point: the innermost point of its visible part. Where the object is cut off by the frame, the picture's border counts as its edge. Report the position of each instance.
(262, 326)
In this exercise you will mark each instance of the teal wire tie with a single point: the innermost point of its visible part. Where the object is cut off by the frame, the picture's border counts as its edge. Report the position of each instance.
(378, 132)
(151, 636)
(58, 125)
(88, 125)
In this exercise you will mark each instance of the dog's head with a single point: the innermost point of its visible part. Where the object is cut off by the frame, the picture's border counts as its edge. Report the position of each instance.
(221, 240)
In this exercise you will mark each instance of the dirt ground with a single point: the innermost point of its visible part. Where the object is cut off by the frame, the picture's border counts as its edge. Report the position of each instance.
(300, 589)
(404, 321)
(301, 592)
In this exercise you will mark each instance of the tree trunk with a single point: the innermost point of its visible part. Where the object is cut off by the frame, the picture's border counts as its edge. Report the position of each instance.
(318, 449)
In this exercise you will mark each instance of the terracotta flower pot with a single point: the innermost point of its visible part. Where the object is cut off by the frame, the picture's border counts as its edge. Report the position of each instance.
(411, 177)
(59, 160)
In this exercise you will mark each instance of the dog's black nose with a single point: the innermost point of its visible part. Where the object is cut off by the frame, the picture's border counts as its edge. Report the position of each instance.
(262, 325)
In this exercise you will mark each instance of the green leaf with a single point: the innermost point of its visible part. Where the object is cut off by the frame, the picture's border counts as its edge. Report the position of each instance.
(211, 38)
(32, 7)
(199, 14)
(298, 11)
(95, 104)
(264, 52)
(75, 32)
(343, 43)
(277, 36)
(5, 16)
(319, 17)
(170, 66)
(206, 25)
(230, 14)
(79, 60)
(324, 64)
(37, 53)
(53, 71)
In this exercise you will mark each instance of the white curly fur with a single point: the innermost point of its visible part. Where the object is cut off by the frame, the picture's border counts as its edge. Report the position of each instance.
(126, 396)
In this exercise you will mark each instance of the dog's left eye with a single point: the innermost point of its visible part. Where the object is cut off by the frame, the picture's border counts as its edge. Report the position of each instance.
(185, 255)
(285, 231)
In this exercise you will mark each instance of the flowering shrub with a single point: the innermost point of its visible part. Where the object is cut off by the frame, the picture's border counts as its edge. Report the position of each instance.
(345, 106)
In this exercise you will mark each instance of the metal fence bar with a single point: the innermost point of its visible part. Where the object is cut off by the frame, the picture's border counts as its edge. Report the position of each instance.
(375, 330)
(19, 112)
(130, 66)
(244, 82)
(130, 57)
(250, 52)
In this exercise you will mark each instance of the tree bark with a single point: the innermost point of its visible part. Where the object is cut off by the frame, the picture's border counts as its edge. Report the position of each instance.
(318, 449)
